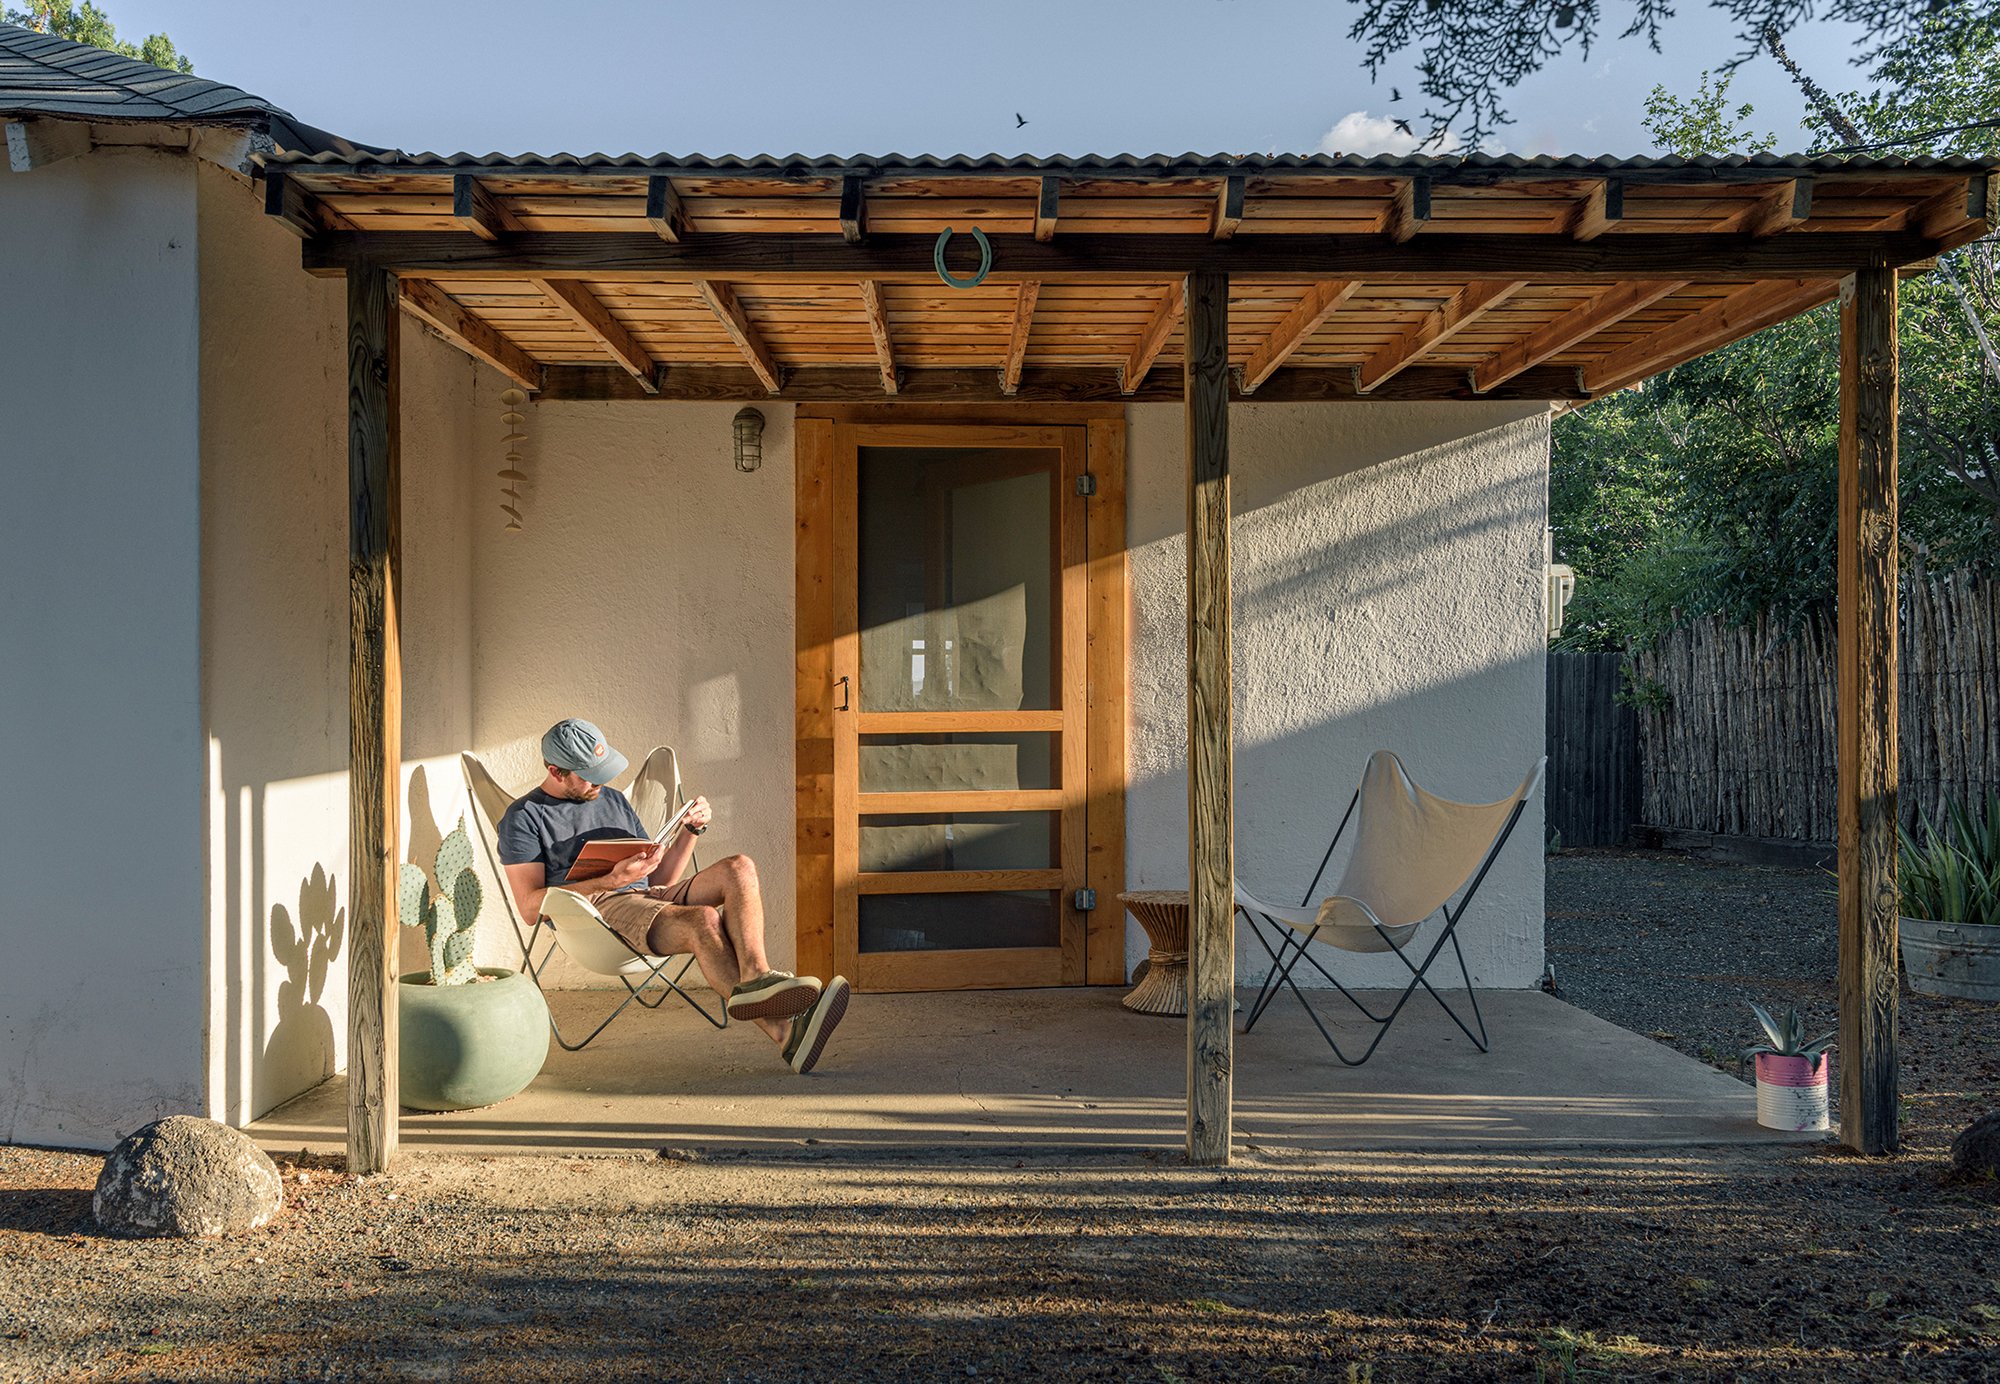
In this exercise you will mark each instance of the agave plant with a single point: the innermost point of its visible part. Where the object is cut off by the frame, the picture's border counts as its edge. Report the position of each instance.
(1788, 1037)
(1948, 870)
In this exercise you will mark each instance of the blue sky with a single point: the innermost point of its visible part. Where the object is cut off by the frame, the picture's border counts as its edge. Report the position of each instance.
(1091, 76)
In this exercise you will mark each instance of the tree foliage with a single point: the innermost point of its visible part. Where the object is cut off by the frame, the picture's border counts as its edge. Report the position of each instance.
(1471, 52)
(85, 23)
(1712, 488)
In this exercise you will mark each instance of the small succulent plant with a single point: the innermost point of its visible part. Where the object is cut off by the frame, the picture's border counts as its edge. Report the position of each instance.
(447, 919)
(1788, 1037)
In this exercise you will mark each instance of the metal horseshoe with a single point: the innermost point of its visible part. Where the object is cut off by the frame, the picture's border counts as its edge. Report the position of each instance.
(985, 259)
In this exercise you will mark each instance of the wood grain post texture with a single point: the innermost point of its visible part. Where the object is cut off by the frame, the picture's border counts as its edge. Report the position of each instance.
(375, 714)
(1211, 826)
(1866, 724)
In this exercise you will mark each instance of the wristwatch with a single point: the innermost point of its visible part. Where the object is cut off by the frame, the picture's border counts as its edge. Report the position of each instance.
(695, 830)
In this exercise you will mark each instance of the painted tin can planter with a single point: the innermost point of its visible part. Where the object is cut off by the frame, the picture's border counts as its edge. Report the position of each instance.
(463, 1046)
(1791, 1092)
(1957, 959)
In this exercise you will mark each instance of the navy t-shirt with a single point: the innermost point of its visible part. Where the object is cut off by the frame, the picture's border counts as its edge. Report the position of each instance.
(552, 830)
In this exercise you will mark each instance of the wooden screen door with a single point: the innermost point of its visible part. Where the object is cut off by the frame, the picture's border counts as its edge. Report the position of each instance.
(957, 688)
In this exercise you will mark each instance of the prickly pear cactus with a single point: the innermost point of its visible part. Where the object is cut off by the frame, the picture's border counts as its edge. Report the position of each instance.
(447, 920)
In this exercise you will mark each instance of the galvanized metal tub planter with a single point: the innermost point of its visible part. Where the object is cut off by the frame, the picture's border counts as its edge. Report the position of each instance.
(464, 1046)
(1961, 960)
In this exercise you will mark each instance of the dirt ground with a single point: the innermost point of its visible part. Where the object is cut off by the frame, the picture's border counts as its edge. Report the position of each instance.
(1698, 1264)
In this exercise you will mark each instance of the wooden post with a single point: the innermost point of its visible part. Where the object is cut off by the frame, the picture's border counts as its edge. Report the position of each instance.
(1211, 825)
(375, 714)
(1866, 723)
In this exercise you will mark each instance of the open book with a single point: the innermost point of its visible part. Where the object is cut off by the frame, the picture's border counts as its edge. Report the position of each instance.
(598, 856)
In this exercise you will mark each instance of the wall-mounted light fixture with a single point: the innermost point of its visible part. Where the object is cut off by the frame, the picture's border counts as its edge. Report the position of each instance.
(511, 474)
(749, 428)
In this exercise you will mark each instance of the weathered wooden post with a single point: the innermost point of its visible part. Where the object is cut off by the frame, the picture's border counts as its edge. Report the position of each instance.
(375, 714)
(1866, 722)
(1211, 826)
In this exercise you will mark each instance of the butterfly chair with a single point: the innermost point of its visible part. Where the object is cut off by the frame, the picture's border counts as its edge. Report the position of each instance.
(1413, 852)
(579, 930)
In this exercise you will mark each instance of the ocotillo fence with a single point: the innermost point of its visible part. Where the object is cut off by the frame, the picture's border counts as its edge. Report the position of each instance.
(1736, 725)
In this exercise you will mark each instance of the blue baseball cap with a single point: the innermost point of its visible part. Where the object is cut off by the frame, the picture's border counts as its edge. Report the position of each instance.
(581, 748)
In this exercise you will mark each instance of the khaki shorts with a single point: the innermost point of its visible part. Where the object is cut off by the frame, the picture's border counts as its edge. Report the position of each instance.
(631, 913)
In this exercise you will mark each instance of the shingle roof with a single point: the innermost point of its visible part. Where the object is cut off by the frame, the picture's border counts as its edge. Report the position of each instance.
(46, 76)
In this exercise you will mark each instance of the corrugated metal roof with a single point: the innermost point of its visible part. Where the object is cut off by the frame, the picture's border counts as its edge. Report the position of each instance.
(42, 75)
(1115, 165)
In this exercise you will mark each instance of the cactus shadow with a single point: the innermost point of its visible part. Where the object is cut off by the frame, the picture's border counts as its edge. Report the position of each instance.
(300, 1050)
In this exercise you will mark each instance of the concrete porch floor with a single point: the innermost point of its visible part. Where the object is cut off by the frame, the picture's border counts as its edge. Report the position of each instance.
(1072, 1069)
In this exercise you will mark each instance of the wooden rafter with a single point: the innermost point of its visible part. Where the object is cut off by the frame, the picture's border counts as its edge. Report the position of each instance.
(1229, 207)
(476, 209)
(1614, 304)
(1601, 208)
(1017, 342)
(664, 212)
(878, 327)
(477, 338)
(853, 211)
(1455, 313)
(301, 212)
(1048, 200)
(1158, 328)
(1410, 209)
(1787, 205)
(588, 313)
(1320, 302)
(1741, 313)
(1949, 211)
(729, 312)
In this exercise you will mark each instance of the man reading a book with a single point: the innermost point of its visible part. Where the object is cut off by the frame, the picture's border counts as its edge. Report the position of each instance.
(717, 913)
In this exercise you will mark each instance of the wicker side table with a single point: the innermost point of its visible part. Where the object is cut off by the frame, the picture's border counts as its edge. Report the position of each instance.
(1164, 915)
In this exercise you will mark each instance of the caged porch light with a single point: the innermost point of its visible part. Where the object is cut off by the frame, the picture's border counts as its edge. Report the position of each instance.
(748, 426)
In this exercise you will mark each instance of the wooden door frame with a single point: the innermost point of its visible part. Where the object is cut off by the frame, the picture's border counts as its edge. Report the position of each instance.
(1105, 675)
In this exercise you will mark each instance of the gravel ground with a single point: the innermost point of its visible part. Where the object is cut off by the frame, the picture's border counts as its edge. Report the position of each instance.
(1702, 1264)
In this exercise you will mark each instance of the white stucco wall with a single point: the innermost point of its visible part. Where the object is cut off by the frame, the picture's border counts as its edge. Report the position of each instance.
(651, 592)
(274, 599)
(101, 993)
(1386, 566)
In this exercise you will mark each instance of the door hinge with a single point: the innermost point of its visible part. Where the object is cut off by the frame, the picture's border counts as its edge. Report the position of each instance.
(1086, 484)
(1084, 900)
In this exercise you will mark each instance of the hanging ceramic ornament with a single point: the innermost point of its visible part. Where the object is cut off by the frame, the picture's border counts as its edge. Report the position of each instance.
(511, 475)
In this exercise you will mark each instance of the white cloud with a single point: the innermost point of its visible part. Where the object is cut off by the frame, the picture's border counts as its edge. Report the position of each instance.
(1358, 132)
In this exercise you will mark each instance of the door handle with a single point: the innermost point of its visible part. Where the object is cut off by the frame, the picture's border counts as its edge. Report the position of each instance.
(843, 695)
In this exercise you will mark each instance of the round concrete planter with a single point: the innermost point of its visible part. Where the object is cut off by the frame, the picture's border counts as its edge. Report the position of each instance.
(1957, 959)
(463, 1046)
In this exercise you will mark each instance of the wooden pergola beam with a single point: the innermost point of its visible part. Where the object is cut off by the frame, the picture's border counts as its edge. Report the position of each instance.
(1017, 340)
(664, 212)
(375, 714)
(878, 328)
(1211, 818)
(1229, 207)
(841, 384)
(1611, 306)
(1865, 725)
(1409, 209)
(1112, 259)
(449, 319)
(1048, 203)
(1160, 326)
(1600, 209)
(298, 210)
(853, 211)
(729, 312)
(476, 209)
(1319, 303)
(588, 313)
(1739, 314)
(1459, 311)
(1949, 212)
(1785, 206)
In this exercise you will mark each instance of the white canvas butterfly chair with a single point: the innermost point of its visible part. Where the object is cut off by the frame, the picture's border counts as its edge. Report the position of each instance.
(579, 930)
(1413, 852)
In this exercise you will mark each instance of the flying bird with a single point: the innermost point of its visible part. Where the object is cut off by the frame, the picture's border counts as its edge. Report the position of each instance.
(1019, 120)
(1395, 94)
(1404, 126)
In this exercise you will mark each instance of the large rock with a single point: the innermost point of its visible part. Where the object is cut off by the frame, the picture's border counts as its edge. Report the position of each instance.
(184, 1176)
(1976, 1150)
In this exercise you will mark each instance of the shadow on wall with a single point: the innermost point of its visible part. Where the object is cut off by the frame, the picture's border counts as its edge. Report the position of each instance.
(300, 1049)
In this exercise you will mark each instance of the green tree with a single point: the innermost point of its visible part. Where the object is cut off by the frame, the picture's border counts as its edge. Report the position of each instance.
(1703, 123)
(85, 23)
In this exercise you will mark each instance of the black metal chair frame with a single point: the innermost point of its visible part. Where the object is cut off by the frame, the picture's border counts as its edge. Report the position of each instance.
(719, 1019)
(1292, 945)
